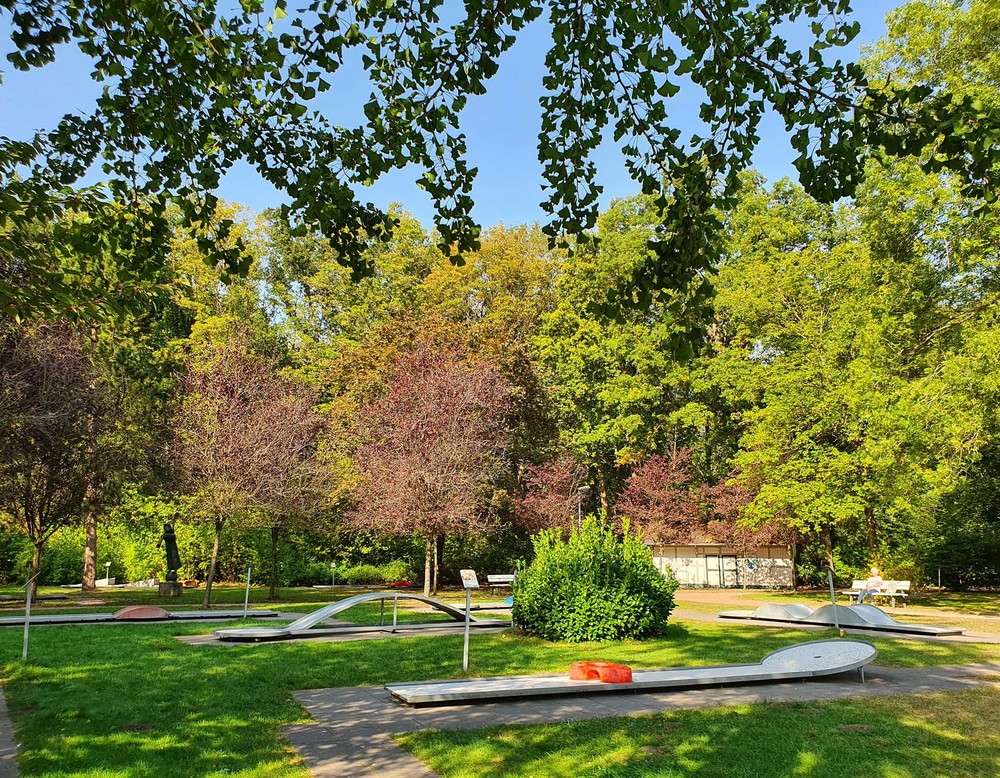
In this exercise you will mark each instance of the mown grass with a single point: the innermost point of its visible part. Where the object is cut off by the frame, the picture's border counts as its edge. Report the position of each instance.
(130, 700)
(225, 597)
(919, 736)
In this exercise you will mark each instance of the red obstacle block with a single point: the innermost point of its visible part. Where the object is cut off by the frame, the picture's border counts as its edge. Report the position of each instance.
(605, 672)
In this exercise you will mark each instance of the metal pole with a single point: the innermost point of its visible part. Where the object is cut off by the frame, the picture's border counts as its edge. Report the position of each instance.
(939, 578)
(468, 610)
(381, 612)
(246, 598)
(395, 607)
(833, 599)
(27, 617)
(333, 574)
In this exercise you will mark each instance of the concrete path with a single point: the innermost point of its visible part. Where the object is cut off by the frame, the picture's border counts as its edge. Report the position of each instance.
(351, 736)
(8, 748)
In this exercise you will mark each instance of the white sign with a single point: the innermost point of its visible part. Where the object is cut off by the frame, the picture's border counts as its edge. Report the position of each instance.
(469, 580)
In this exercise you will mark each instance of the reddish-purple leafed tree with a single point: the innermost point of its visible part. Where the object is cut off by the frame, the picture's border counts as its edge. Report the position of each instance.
(661, 499)
(551, 494)
(246, 438)
(726, 501)
(428, 446)
(53, 410)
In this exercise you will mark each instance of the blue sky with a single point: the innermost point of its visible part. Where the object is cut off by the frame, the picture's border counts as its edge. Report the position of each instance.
(501, 128)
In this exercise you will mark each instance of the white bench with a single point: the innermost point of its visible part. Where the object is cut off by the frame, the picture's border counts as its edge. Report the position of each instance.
(892, 589)
(499, 581)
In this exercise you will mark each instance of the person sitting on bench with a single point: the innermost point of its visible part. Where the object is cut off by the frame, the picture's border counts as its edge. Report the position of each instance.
(872, 587)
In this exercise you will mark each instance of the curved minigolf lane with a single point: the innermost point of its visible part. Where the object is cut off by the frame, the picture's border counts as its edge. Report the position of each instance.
(307, 625)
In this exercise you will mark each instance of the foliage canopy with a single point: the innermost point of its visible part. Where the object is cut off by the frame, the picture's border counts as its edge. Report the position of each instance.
(193, 88)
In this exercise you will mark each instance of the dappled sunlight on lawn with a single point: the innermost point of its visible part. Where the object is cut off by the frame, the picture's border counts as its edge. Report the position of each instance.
(909, 736)
(131, 700)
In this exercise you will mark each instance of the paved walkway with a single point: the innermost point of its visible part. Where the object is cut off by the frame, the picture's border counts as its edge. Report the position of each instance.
(351, 736)
(8, 748)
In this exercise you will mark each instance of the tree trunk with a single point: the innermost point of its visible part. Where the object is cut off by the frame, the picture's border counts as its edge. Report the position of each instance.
(36, 565)
(602, 490)
(273, 592)
(828, 546)
(90, 551)
(211, 568)
(870, 520)
(438, 556)
(428, 546)
(793, 550)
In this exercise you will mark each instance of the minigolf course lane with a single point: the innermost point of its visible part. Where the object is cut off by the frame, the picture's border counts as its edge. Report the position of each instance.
(307, 626)
(856, 616)
(798, 662)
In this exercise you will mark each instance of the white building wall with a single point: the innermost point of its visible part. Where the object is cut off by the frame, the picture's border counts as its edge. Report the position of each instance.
(710, 565)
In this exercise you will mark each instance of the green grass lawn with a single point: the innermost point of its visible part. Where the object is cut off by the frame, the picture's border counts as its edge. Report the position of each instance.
(133, 701)
(919, 736)
(130, 700)
(225, 597)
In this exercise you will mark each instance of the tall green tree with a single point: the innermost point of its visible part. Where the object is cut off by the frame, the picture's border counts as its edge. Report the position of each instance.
(614, 384)
(838, 324)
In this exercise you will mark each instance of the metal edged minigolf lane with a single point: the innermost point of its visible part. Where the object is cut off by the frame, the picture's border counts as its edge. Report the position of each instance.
(310, 625)
(802, 661)
(868, 617)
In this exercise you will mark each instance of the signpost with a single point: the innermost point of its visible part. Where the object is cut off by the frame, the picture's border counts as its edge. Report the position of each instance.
(470, 582)
(27, 616)
(246, 598)
(833, 599)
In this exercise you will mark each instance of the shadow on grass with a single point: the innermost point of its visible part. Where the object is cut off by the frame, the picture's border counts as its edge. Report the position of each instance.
(130, 700)
(928, 735)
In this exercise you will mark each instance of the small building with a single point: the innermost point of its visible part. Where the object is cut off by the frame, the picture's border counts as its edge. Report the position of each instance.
(717, 565)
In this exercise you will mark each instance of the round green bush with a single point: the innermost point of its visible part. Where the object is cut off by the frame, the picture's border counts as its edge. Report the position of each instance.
(598, 585)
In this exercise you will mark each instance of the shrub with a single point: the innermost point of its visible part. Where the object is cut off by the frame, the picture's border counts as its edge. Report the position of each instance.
(598, 585)
(360, 575)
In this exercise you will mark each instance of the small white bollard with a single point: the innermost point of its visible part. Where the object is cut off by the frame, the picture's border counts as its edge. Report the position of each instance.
(833, 599)
(470, 582)
(246, 598)
(27, 616)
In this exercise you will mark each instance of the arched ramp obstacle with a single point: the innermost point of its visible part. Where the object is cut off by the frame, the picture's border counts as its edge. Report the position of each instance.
(310, 624)
(802, 661)
(856, 616)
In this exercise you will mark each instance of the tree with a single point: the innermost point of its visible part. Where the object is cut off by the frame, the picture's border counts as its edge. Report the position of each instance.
(614, 384)
(661, 499)
(195, 88)
(551, 495)
(54, 415)
(246, 436)
(838, 327)
(428, 447)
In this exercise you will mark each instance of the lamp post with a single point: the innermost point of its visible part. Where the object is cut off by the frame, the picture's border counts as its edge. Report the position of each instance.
(581, 494)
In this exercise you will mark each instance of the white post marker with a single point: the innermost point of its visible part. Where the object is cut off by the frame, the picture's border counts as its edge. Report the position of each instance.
(833, 599)
(333, 574)
(246, 597)
(27, 616)
(470, 582)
